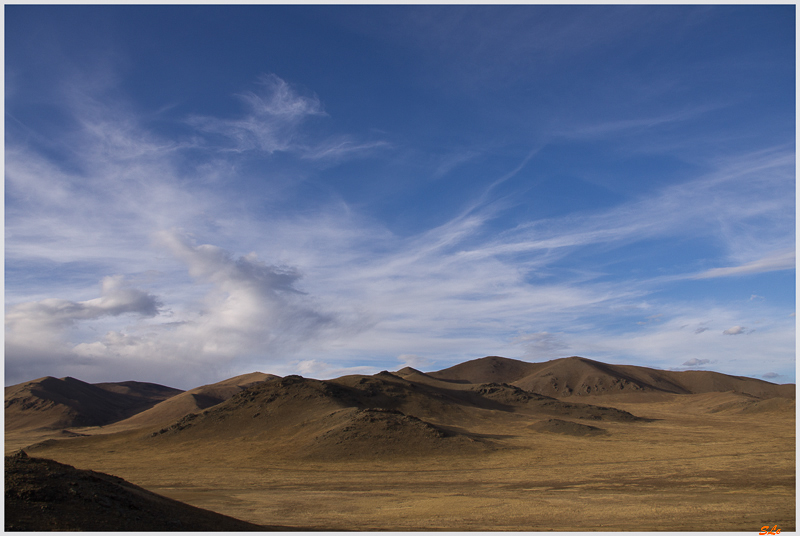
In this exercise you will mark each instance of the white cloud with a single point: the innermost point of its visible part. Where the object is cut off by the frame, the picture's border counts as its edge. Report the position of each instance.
(735, 330)
(694, 362)
(251, 309)
(116, 298)
(40, 332)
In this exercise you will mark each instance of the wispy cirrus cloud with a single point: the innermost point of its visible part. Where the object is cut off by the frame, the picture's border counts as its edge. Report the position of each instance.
(782, 260)
(342, 147)
(635, 126)
(743, 204)
(274, 122)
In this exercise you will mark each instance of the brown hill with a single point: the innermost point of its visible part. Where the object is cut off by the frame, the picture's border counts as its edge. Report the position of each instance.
(491, 369)
(517, 399)
(367, 416)
(578, 376)
(52, 403)
(368, 433)
(44, 495)
(353, 416)
(191, 401)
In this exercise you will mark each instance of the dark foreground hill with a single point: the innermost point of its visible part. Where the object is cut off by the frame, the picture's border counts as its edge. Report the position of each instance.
(578, 376)
(53, 403)
(44, 495)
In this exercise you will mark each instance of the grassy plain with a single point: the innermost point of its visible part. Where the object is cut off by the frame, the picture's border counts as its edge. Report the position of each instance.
(710, 462)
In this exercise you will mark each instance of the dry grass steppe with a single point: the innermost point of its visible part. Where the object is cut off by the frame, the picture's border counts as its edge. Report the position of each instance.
(415, 451)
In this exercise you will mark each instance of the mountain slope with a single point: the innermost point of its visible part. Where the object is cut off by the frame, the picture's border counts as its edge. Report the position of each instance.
(491, 369)
(354, 416)
(191, 401)
(578, 376)
(367, 416)
(52, 403)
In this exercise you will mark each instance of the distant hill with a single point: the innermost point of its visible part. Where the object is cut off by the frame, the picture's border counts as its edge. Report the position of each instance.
(491, 369)
(44, 495)
(577, 376)
(53, 403)
(192, 401)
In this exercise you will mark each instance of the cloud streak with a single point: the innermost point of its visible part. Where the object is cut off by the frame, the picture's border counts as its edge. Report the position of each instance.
(783, 260)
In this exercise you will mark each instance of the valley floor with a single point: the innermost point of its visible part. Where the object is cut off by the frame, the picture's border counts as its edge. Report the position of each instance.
(694, 468)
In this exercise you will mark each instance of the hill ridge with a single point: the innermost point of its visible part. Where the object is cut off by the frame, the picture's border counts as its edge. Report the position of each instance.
(580, 376)
(50, 402)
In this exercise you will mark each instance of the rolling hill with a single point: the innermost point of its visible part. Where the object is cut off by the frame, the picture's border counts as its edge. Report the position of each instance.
(191, 401)
(369, 416)
(407, 412)
(578, 376)
(360, 416)
(53, 403)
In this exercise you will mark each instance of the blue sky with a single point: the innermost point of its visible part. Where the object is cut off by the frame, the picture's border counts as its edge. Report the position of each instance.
(195, 192)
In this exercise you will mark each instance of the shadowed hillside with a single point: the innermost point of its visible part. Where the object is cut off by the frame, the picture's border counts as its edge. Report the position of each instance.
(67, 402)
(354, 416)
(191, 401)
(367, 416)
(44, 495)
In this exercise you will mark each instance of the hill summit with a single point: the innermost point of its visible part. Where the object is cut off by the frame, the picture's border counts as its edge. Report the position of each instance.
(579, 376)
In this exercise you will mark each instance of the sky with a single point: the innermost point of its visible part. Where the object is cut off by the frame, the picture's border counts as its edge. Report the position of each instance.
(197, 192)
